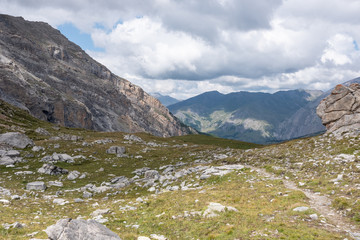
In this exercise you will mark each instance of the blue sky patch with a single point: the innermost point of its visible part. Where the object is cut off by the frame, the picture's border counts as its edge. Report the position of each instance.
(356, 46)
(80, 38)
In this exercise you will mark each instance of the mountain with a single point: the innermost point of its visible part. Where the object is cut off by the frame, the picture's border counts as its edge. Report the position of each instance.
(246, 116)
(55, 80)
(165, 100)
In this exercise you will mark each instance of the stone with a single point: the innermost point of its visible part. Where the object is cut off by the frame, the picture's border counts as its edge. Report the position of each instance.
(87, 194)
(120, 182)
(37, 149)
(36, 186)
(152, 174)
(73, 175)
(12, 153)
(55, 183)
(158, 237)
(100, 212)
(7, 161)
(16, 139)
(340, 111)
(51, 169)
(42, 131)
(214, 208)
(13, 225)
(300, 209)
(79, 229)
(60, 201)
(4, 201)
(134, 138)
(118, 150)
(314, 216)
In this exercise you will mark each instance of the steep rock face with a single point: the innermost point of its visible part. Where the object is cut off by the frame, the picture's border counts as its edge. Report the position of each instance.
(53, 78)
(340, 111)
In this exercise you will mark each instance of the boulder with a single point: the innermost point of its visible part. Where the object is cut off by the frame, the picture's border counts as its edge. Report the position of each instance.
(152, 174)
(42, 131)
(78, 229)
(51, 169)
(73, 175)
(7, 161)
(36, 186)
(340, 111)
(119, 151)
(16, 139)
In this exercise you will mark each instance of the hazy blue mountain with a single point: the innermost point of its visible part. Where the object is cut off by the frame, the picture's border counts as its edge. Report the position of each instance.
(165, 100)
(247, 116)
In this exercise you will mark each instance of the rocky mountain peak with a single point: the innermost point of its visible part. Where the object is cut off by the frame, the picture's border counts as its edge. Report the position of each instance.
(55, 80)
(340, 111)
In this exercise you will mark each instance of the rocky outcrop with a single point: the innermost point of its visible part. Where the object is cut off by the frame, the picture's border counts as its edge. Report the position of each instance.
(340, 111)
(55, 80)
(15, 139)
(78, 229)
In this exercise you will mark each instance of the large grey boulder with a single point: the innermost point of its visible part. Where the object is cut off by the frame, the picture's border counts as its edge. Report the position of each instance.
(73, 175)
(36, 186)
(340, 111)
(16, 139)
(78, 229)
(119, 151)
(51, 169)
(6, 160)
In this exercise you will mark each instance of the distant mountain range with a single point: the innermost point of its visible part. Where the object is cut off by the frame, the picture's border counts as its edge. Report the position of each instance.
(253, 117)
(165, 100)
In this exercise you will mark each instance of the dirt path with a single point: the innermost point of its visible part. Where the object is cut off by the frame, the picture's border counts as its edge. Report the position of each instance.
(319, 203)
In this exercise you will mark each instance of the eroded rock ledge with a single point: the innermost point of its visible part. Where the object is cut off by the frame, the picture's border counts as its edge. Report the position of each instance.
(340, 111)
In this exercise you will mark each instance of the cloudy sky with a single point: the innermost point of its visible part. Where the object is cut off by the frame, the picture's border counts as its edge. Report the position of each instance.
(182, 48)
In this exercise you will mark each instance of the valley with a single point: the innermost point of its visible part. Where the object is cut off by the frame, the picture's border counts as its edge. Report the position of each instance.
(173, 188)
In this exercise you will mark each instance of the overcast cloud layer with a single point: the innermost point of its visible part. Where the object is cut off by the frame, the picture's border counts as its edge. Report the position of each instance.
(183, 48)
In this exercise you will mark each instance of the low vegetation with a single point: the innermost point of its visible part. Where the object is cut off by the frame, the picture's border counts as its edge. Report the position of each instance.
(256, 206)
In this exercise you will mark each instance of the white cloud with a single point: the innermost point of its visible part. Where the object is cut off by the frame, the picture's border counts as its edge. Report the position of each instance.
(183, 48)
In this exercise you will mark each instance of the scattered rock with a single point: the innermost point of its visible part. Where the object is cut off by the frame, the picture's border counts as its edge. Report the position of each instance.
(58, 158)
(143, 238)
(51, 169)
(119, 151)
(134, 138)
(120, 182)
(78, 229)
(16, 139)
(73, 175)
(42, 131)
(100, 212)
(314, 216)
(300, 209)
(4, 201)
(87, 194)
(152, 174)
(7, 161)
(13, 225)
(36, 186)
(55, 183)
(37, 149)
(60, 201)
(158, 237)
(215, 208)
